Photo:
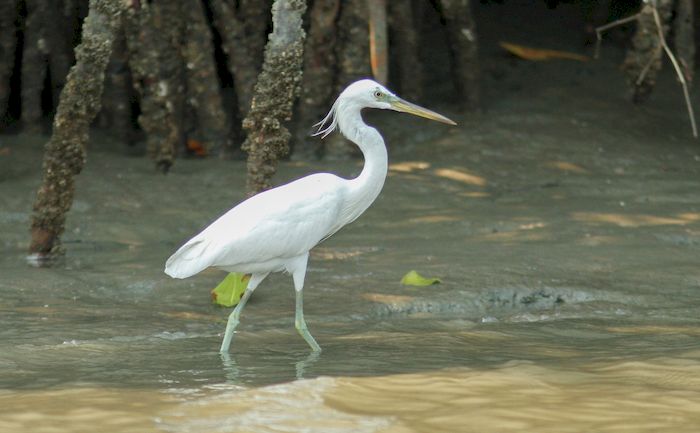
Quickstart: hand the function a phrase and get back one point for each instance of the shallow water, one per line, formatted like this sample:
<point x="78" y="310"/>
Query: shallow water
<point x="564" y="224"/>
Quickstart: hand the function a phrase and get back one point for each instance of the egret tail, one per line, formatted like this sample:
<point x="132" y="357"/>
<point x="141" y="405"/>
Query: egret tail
<point x="188" y="260"/>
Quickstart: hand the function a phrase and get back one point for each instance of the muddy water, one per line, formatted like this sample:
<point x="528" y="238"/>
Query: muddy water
<point x="569" y="298"/>
<point x="564" y="224"/>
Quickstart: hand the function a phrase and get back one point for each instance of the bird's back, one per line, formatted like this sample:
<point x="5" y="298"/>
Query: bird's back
<point x="262" y="232"/>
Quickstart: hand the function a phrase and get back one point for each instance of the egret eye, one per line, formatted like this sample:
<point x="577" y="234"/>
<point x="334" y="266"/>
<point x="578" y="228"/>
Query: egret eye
<point x="378" y="94"/>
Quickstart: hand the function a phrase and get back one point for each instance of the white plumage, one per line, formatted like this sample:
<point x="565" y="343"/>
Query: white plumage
<point x="274" y="230"/>
<point x="261" y="232"/>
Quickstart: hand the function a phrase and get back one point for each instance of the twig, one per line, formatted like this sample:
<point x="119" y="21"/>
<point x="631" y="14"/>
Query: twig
<point x="645" y="69"/>
<point x="651" y="4"/>
<point x="599" y="30"/>
<point x="681" y="78"/>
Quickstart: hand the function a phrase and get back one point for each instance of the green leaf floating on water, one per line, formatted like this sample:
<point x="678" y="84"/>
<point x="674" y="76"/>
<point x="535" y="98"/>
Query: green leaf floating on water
<point x="230" y="290"/>
<point x="413" y="278"/>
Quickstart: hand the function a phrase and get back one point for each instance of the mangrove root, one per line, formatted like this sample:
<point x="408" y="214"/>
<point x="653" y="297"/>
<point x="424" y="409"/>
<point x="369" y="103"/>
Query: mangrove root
<point x="275" y="91"/>
<point x="65" y="154"/>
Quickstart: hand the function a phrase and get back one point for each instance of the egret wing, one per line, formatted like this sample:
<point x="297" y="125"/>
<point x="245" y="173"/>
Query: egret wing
<point x="280" y="223"/>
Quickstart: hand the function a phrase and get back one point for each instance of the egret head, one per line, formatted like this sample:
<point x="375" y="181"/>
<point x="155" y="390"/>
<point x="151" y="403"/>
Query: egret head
<point x="370" y="94"/>
<point x="367" y="94"/>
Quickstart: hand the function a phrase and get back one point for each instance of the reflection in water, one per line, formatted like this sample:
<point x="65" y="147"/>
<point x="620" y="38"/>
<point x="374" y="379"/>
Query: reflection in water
<point x="231" y="372"/>
<point x="303" y="365"/>
<point x="233" y="375"/>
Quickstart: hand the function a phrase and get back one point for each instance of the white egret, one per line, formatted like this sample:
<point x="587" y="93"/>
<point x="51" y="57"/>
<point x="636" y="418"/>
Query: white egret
<point x="274" y="230"/>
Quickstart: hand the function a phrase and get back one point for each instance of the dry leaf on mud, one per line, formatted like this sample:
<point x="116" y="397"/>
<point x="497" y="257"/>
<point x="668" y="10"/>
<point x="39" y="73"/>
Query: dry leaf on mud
<point x="537" y="54"/>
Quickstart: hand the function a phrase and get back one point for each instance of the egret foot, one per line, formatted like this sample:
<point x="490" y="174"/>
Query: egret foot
<point x="306" y="335"/>
<point x="300" y="323"/>
<point x="233" y="321"/>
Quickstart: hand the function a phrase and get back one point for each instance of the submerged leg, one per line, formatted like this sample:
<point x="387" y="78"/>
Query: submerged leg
<point x="233" y="321"/>
<point x="299" y="322"/>
<point x="235" y="314"/>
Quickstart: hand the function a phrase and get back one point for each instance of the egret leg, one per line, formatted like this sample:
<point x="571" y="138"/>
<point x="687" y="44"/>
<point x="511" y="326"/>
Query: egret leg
<point x="233" y="318"/>
<point x="298" y="275"/>
<point x="300" y="323"/>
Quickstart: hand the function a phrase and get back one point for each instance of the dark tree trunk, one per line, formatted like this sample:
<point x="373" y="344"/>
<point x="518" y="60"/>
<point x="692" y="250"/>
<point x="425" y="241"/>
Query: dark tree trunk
<point x="79" y="104"/>
<point x="8" y="42"/>
<point x="378" y="40"/>
<point x="461" y="32"/>
<point x="203" y="88"/>
<point x="75" y="11"/>
<point x="153" y="37"/>
<point x="317" y="83"/>
<point x="235" y="45"/>
<point x="643" y="60"/>
<point x="352" y="47"/>
<point x="352" y="52"/>
<point x="58" y="34"/>
<point x="684" y="31"/>
<point x="275" y="91"/>
<point x="255" y="15"/>
<point x="116" y="102"/>
<point x="594" y="14"/>
<point x="405" y="42"/>
<point x="34" y="64"/>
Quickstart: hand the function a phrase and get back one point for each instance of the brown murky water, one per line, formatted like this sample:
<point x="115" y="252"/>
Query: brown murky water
<point x="563" y="222"/>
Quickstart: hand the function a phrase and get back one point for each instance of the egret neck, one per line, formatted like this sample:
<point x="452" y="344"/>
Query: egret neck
<point x="365" y="188"/>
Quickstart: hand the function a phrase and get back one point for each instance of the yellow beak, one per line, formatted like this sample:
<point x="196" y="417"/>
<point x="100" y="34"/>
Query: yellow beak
<point x="399" y="104"/>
